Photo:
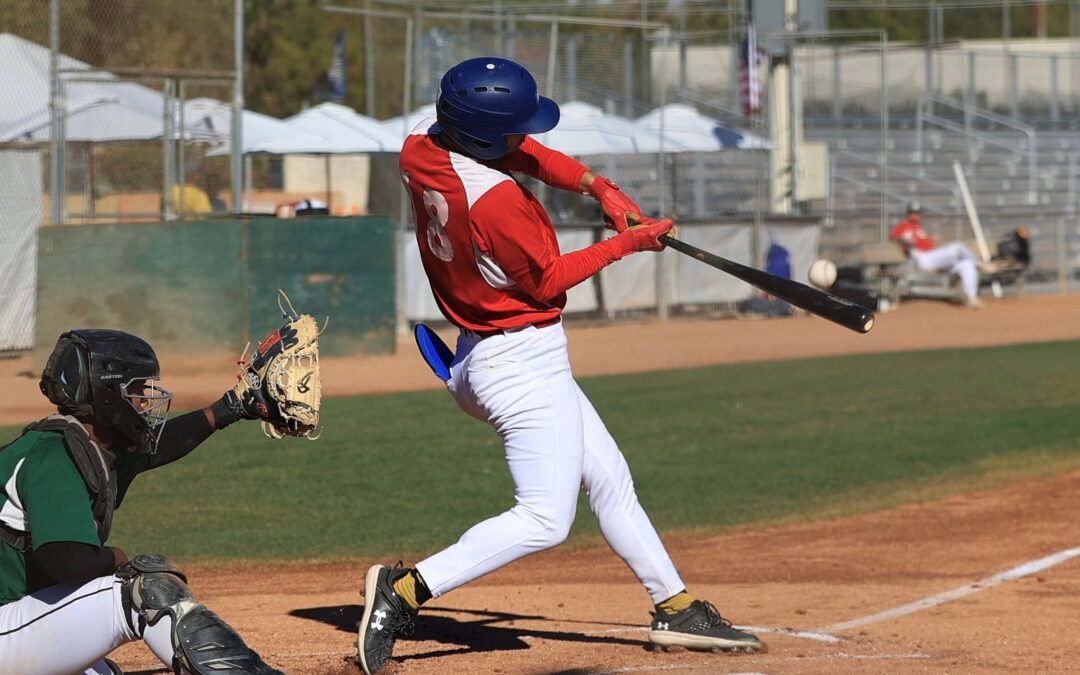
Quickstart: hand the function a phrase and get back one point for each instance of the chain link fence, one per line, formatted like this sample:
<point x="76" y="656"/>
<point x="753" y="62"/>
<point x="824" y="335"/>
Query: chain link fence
<point x="91" y="128"/>
<point x="123" y="68"/>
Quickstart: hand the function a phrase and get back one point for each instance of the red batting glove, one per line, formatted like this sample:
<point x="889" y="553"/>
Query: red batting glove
<point x="645" y="236"/>
<point x="614" y="202"/>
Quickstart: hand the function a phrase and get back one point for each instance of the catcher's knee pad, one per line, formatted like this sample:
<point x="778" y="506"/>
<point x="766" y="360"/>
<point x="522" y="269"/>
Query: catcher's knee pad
<point x="203" y="643"/>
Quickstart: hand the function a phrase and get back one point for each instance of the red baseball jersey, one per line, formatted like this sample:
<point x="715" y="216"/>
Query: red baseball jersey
<point x="487" y="244"/>
<point x="912" y="234"/>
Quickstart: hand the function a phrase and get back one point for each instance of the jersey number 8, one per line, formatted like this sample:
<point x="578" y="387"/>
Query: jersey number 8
<point x="438" y="212"/>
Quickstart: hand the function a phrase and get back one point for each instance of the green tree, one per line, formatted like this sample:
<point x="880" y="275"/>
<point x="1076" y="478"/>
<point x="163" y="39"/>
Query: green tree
<point x="281" y="38"/>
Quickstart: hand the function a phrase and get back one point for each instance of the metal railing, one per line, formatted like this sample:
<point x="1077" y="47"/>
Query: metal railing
<point x="893" y="170"/>
<point x="925" y="115"/>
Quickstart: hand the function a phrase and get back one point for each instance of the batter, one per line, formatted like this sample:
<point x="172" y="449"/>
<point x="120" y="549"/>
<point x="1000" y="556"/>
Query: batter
<point x="491" y="256"/>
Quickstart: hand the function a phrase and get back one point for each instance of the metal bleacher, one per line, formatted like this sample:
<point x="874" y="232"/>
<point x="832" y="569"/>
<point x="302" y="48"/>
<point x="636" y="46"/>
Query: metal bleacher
<point x="1011" y="187"/>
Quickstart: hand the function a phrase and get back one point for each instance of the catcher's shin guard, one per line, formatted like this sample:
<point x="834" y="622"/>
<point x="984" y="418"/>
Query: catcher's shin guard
<point x="203" y="643"/>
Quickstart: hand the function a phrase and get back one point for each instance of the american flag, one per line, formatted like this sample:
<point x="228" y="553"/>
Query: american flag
<point x="750" y="59"/>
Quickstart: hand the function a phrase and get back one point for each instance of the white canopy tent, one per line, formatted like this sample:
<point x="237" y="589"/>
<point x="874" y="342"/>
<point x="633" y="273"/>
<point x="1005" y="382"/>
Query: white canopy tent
<point x="696" y="132"/>
<point x="403" y="125"/>
<point x="583" y="129"/>
<point x="346" y="129"/>
<point x="262" y="134"/>
<point x="99" y="107"/>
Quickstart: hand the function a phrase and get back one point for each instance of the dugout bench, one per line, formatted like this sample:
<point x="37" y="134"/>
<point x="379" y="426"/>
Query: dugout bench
<point x="887" y="268"/>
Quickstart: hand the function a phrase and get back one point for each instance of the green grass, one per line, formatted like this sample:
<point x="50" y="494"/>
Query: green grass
<point x="711" y="449"/>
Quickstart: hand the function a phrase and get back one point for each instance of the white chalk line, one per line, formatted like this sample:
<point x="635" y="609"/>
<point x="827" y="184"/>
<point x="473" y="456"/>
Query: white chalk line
<point x="809" y="635"/>
<point x="1018" y="572"/>
<point x="655" y="669"/>
<point x="697" y="666"/>
<point x="790" y="632"/>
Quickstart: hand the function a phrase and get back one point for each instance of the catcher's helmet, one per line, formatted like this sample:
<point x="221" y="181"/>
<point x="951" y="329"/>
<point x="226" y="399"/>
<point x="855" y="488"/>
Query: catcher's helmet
<point x="99" y="374"/>
<point x="483" y="100"/>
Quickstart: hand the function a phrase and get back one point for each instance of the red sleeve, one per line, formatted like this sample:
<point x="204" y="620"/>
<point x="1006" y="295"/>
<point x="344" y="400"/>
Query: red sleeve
<point x="525" y="247"/>
<point x="541" y="162"/>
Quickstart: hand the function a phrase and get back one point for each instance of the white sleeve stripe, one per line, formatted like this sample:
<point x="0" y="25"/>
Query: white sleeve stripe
<point x="13" y="514"/>
<point x="494" y="275"/>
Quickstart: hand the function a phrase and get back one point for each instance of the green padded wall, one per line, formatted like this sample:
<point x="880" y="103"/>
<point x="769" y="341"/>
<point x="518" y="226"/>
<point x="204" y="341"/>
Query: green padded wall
<point x="209" y="286"/>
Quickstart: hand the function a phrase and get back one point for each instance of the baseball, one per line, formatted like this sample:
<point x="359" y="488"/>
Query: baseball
<point x="823" y="273"/>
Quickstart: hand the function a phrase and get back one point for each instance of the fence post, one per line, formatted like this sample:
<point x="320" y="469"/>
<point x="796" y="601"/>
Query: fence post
<point x="571" y="67"/>
<point x="56" y="112"/>
<point x="168" y="204"/>
<point x="837" y="108"/>
<point x="1055" y="101"/>
<point x="662" y="307"/>
<point x="1062" y="258"/>
<point x="883" y="41"/>
<point x="1014" y="84"/>
<point x="928" y="74"/>
<point x="236" y="133"/>
<point x="972" y="91"/>
<point x="919" y="131"/>
<point x="628" y="75"/>
<point x="511" y="37"/>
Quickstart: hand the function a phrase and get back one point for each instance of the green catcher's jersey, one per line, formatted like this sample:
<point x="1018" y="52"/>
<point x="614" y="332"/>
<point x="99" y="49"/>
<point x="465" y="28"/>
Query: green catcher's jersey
<point x="40" y="491"/>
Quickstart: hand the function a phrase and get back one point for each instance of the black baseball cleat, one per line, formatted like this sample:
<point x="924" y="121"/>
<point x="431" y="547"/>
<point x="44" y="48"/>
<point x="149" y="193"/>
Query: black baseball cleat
<point x="386" y="615"/>
<point x="700" y="627"/>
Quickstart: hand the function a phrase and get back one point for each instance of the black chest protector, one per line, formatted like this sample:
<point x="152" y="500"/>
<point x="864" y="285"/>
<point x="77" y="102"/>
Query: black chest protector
<point x="95" y="465"/>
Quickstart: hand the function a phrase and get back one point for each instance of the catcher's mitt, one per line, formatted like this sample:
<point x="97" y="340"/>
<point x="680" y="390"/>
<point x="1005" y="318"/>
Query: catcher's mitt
<point x="281" y="385"/>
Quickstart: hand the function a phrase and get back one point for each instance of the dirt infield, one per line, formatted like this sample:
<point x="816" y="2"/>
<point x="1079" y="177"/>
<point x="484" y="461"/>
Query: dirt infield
<point x="979" y="583"/>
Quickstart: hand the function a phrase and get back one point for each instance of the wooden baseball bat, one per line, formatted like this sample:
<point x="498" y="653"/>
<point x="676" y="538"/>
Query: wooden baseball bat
<point x="826" y="305"/>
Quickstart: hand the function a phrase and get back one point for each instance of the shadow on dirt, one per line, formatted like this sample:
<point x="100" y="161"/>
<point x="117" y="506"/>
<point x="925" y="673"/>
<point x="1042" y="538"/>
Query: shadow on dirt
<point x="480" y="635"/>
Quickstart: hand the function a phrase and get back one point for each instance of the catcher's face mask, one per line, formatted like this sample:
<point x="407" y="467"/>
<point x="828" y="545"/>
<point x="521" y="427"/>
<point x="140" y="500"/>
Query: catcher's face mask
<point x="151" y="402"/>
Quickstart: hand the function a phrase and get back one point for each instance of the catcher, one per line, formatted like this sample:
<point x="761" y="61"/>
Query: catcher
<point x="66" y="598"/>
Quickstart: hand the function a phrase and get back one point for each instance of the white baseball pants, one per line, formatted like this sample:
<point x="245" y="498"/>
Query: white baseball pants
<point x="555" y="444"/>
<point x="954" y="258"/>
<point x="62" y="630"/>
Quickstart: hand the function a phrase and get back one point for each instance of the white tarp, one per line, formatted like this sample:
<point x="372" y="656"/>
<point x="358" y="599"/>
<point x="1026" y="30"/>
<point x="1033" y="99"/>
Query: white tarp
<point x="801" y="244"/>
<point x="698" y="283"/>
<point x="21" y="203"/>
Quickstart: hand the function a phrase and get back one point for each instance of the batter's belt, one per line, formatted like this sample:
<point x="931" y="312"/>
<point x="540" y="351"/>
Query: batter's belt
<point x="483" y="335"/>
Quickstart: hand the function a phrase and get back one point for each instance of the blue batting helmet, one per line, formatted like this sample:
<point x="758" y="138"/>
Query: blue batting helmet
<point x="483" y="100"/>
